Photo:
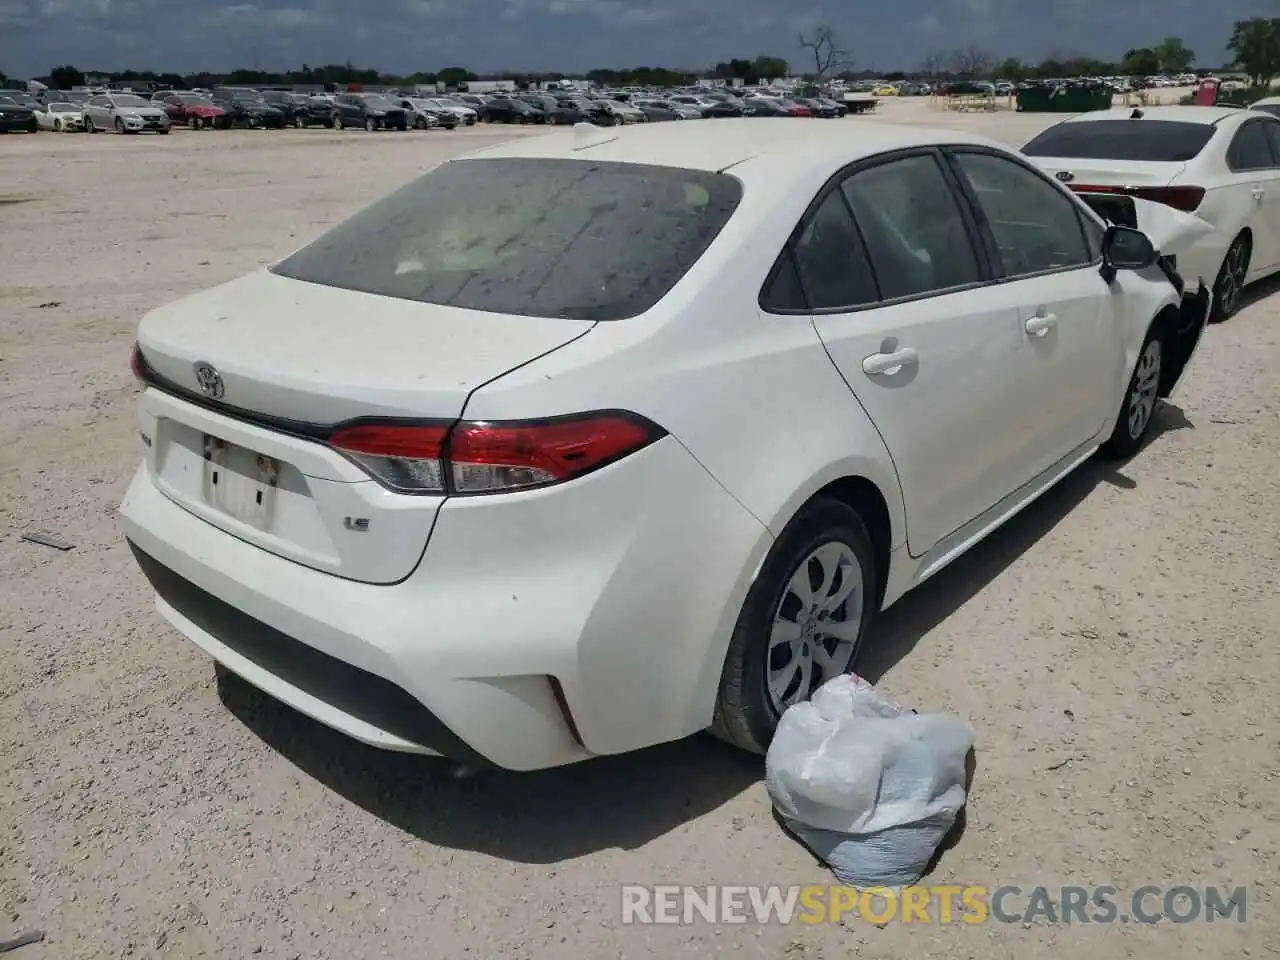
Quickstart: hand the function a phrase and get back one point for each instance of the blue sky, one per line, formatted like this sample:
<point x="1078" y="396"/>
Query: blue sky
<point x="403" y="36"/>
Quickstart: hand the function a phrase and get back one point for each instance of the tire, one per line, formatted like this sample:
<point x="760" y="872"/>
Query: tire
<point x="57" y="126"/>
<point x="419" y="123"/>
<point x="337" y="123"/>
<point x="194" y="123"/>
<point x="1141" y="399"/>
<point x="1230" y="280"/>
<point x="88" y="125"/>
<point x="163" y="131"/>
<point x="827" y="535"/>
<point x="119" y="125"/>
<point x="370" y="124"/>
<point x="300" y="123"/>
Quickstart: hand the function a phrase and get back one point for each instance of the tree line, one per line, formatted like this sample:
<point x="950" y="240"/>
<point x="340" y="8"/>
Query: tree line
<point x="1256" y="44"/>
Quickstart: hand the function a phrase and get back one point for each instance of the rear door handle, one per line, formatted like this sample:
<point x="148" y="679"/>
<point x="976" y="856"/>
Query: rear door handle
<point x="890" y="363"/>
<point x="1040" y="325"/>
<point x="1258" y="193"/>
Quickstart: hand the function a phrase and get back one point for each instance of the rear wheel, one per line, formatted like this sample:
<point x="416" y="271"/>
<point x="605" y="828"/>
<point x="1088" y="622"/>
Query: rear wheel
<point x="419" y="123"/>
<point x="337" y="122"/>
<point x="1137" y="410"/>
<point x="1230" y="283"/>
<point x="803" y="622"/>
<point x="300" y="123"/>
<point x="370" y="124"/>
<point x="195" y="123"/>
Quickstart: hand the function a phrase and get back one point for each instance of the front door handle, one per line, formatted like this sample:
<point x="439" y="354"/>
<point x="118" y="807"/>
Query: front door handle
<point x="1258" y="193"/>
<point x="890" y="363"/>
<point x="1041" y="324"/>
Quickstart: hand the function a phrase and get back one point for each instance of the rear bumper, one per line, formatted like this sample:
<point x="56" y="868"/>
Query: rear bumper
<point x="540" y="628"/>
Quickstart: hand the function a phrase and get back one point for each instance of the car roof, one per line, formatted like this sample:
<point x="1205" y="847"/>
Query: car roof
<point x="1266" y="102"/>
<point x="1205" y="115"/>
<point x="725" y="143"/>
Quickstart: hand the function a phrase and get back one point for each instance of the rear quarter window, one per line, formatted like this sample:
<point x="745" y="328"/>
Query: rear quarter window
<point x="575" y="239"/>
<point x="1161" y="141"/>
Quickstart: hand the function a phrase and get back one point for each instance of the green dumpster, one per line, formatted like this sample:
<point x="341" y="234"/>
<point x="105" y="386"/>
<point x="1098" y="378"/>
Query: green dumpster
<point x="1064" y="99"/>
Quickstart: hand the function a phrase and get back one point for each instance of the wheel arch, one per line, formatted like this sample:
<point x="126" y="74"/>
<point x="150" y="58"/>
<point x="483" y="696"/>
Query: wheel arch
<point x="885" y="525"/>
<point x="865" y="497"/>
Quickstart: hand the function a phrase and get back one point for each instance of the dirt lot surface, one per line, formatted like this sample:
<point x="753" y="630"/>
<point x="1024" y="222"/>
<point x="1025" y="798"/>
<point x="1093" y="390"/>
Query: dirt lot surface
<point x="1113" y="647"/>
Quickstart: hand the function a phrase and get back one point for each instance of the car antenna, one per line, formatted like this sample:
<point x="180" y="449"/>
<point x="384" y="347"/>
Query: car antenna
<point x="1137" y="114"/>
<point x="587" y="135"/>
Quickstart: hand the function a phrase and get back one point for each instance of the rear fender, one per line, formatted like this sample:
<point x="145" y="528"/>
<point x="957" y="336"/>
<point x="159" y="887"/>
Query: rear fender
<point x="1169" y="230"/>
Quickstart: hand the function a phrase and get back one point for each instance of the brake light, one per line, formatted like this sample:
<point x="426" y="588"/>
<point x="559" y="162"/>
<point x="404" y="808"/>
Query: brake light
<point x="476" y="457"/>
<point x="1186" y="199"/>
<point x="137" y="364"/>
<point x="405" y="457"/>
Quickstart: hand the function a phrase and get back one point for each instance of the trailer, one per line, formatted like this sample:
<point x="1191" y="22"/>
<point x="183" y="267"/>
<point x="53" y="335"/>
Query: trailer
<point x="859" y="102"/>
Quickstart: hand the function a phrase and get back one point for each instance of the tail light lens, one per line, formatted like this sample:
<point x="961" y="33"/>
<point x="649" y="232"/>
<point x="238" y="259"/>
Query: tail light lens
<point x="471" y="457"/>
<point x="1186" y="199"/>
<point x="405" y="457"/>
<point x="137" y="364"/>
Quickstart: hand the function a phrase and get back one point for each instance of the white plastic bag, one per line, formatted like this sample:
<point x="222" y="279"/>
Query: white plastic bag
<point x="870" y="787"/>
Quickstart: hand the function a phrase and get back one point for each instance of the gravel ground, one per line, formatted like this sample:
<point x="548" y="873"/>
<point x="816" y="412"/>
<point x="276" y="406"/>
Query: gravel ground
<point x="1112" y="647"/>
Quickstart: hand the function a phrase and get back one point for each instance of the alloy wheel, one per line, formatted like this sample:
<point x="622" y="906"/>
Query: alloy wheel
<point x="816" y="625"/>
<point x="1234" y="271"/>
<point x="1146" y="383"/>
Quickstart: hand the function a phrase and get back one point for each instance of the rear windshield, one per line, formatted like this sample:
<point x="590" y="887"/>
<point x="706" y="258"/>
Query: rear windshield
<point x="1153" y="140"/>
<point x="576" y="239"/>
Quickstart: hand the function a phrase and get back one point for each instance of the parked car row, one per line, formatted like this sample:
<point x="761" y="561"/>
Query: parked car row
<point x="622" y="108"/>
<point x="224" y="108"/>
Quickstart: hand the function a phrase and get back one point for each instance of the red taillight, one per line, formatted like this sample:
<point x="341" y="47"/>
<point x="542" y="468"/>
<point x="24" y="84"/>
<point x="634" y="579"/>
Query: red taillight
<point x="481" y="457"/>
<point x="1186" y="199"/>
<point x="405" y="457"/>
<point x="137" y="364"/>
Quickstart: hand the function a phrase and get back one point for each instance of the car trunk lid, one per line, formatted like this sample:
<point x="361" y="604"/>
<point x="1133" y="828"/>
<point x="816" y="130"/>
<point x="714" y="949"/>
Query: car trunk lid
<point x="248" y="379"/>
<point x="1077" y="172"/>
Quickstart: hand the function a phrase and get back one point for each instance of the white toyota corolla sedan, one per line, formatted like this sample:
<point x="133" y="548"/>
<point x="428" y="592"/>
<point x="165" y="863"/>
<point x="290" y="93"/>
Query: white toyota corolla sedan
<point x="593" y="440"/>
<point x="1220" y="163"/>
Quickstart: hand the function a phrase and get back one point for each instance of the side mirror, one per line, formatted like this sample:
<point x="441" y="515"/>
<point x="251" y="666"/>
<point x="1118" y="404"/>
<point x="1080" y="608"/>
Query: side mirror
<point x="1124" y="248"/>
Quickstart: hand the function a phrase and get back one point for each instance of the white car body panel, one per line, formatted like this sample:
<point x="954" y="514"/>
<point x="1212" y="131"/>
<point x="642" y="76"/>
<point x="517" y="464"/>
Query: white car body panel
<point x="617" y="591"/>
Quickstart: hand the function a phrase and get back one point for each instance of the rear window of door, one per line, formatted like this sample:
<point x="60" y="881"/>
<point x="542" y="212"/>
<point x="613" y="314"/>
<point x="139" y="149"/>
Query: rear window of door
<point x="1156" y="141"/>
<point x="1250" y="148"/>
<point x="913" y="226"/>
<point x="538" y="237"/>
<point x="825" y="267"/>
<point x="1272" y="128"/>
<point x="1035" y="227"/>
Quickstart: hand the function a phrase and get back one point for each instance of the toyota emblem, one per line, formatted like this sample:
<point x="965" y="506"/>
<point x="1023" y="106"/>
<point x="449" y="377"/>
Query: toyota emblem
<point x="1066" y="176"/>
<point x="209" y="380"/>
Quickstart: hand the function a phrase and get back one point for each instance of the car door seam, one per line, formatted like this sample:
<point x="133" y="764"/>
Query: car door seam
<point x="897" y="474"/>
